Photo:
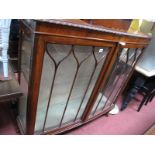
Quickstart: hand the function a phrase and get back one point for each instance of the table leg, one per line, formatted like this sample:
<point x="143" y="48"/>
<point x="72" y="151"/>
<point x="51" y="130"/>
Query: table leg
<point x="139" y="82"/>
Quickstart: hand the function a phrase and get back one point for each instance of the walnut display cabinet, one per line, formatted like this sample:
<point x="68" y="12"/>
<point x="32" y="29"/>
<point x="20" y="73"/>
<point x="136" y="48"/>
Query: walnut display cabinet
<point x="71" y="72"/>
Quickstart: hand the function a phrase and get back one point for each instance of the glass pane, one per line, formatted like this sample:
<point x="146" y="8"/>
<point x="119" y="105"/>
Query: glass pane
<point x="22" y="106"/>
<point x="118" y="76"/>
<point x="58" y="52"/>
<point x="25" y="56"/>
<point x="62" y="86"/>
<point x="84" y="56"/>
<point x="45" y="88"/>
<point x="139" y="51"/>
<point x="76" y="69"/>
<point x="100" y="55"/>
<point x="26" y="50"/>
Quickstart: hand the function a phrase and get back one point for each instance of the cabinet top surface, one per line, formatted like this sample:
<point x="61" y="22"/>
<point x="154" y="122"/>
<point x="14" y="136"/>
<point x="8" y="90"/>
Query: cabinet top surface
<point x="84" y="25"/>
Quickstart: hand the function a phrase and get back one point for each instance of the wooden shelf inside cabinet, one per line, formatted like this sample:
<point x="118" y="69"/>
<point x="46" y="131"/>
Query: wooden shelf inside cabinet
<point x="9" y="89"/>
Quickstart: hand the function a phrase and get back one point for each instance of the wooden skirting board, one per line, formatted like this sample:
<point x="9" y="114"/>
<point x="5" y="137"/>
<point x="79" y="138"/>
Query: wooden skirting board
<point x="150" y="131"/>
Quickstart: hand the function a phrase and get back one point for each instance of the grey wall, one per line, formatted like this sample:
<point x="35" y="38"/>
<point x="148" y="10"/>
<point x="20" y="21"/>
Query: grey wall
<point x="147" y="61"/>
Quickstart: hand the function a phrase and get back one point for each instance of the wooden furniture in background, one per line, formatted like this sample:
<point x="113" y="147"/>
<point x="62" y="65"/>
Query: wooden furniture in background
<point x="14" y="39"/>
<point x="148" y="95"/>
<point x="141" y="81"/>
<point x="143" y="77"/>
<point x="9" y="90"/>
<point x="71" y="72"/>
<point x="13" y="45"/>
<point x="138" y="84"/>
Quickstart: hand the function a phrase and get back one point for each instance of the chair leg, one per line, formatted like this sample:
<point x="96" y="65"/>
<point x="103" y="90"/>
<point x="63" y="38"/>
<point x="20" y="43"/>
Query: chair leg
<point x="148" y="100"/>
<point x="142" y="103"/>
<point x="152" y="96"/>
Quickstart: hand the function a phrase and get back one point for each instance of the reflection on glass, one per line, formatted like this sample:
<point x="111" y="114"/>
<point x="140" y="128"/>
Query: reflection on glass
<point x="68" y="77"/>
<point x="118" y="76"/>
<point x="24" y="79"/>
<point x="25" y="56"/>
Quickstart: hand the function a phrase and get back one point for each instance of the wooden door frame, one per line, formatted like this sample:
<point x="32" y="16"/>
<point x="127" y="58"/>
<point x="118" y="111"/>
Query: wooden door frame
<point x="100" y="83"/>
<point x="36" y="72"/>
<point x="34" y="83"/>
<point x="117" y="49"/>
<point x="37" y="64"/>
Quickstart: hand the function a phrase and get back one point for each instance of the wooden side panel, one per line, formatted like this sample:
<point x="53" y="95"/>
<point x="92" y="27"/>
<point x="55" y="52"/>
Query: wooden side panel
<point x="38" y="55"/>
<point x="25" y="55"/>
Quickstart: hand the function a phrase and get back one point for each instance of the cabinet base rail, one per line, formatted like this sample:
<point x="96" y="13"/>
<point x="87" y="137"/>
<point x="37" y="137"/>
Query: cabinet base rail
<point x="66" y="128"/>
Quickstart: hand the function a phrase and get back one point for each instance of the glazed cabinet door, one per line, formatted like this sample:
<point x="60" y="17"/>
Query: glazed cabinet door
<point x="119" y="74"/>
<point x="26" y="48"/>
<point x="69" y="75"/>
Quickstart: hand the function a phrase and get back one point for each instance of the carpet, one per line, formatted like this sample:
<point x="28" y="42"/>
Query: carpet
<point x="127" y="122"/>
